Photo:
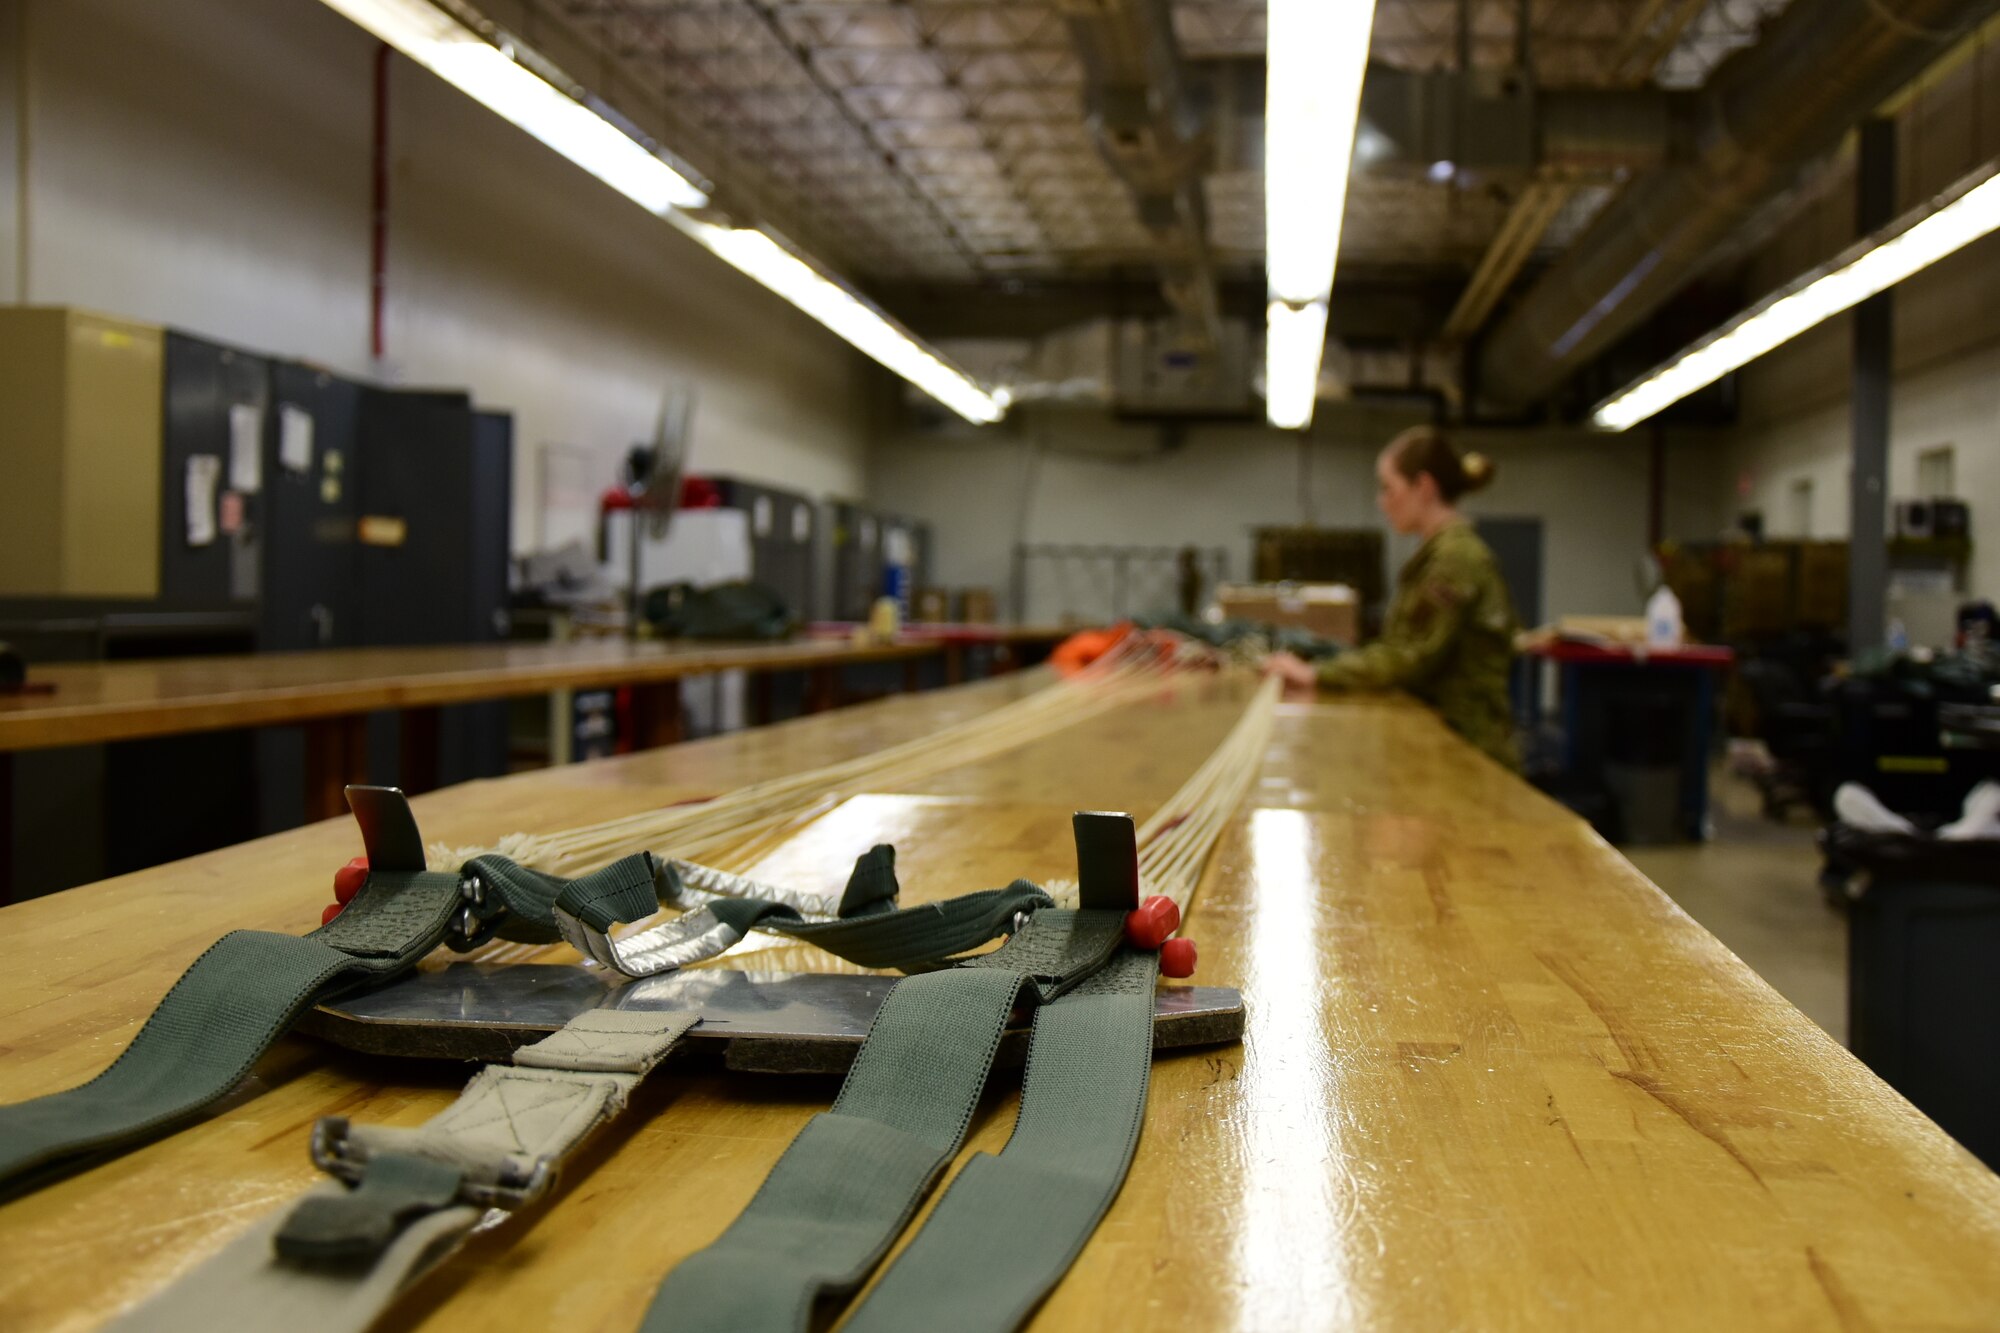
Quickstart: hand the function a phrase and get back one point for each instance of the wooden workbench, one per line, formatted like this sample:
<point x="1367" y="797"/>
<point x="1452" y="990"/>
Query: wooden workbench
<point x="1492" y="1079"/>
<point x="1004" y="644"/>
<point x="333" y="690"/>
<point x="115" y="701"/>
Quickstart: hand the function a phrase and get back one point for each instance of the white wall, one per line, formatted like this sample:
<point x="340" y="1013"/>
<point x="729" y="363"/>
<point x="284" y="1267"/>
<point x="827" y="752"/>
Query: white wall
<point x="206" y="164"/>
<point x="1795" y="423"/>
<point x="1029" y="482"/>
<point x="1946" y="391"/>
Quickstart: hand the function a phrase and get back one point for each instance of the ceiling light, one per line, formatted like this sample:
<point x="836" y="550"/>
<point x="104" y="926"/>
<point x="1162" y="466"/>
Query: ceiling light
<point x="1967" y="211"/>
<point x="764" y="258"/>
<point x="492" y="77"/>
<point x="1316" y="56"/>
<point x="1294" y="338"/>
<point x="516" y="94"/>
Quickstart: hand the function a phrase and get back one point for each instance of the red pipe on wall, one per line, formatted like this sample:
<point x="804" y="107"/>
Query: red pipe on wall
<point x="378" y="219"/>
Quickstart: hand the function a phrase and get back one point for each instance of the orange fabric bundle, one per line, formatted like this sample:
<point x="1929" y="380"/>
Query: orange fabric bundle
<point x="1079" y="650"/>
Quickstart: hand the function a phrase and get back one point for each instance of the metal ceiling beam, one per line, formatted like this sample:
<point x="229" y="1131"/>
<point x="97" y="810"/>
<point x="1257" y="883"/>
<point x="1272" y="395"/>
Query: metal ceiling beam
<point x="1768" y="111"/>
<point x="1374" y="307"/>
<point x="1533" y="211"/>
<point x="1149" y="130"/>
<point x="1540" y="204"/>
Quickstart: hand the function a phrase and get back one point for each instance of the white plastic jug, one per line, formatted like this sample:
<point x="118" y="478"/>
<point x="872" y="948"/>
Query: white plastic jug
<point x="1663" y="619"/>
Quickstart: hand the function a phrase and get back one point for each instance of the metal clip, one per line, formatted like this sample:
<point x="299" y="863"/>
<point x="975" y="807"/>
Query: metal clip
<point x="511" y="1186"/>
<point x="472" y="926"/>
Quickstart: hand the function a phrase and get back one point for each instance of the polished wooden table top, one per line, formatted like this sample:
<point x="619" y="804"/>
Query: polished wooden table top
<point x="107" y="701"/>
<point x="961" y="633"/>
<point x="1493" y="1078"/>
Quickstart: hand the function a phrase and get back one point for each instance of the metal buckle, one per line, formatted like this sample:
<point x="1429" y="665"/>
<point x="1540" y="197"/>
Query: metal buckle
<point x="509" y="1189"/>
<point x="471" y="926"/>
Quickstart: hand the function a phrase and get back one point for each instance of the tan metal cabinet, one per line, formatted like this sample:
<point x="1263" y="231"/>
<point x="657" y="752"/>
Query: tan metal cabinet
<point x="80" y="471"/>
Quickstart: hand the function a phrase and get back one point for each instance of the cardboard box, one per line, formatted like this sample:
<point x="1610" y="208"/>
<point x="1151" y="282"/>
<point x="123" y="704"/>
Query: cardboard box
<point x="931" y="605"/>
<point x="977" y="606"/>
<point x="1330" y="610"/>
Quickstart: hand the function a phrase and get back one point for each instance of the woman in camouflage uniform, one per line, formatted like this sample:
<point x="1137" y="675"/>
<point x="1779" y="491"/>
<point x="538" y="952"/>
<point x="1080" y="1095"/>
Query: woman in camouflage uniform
<point x="1449" y="639"/>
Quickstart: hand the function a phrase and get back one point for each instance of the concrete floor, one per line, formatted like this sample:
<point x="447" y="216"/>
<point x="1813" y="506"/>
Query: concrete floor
<point x="1755" y="887"/>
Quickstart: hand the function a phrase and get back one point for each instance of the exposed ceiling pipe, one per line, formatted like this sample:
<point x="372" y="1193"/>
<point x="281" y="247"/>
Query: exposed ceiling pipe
<point x="1531" y="215"/>
<point x="1484" y="124"/>
<point x="1652" y="39"/>
<point x="1149" y="129"/>
<point x="1767" y="111"/>
<point x="1536" y="207"/>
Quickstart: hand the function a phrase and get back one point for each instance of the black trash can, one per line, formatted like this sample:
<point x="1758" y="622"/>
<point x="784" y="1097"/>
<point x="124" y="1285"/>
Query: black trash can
<point x="1642" y="766"/>
<point x="1923" y="973"/>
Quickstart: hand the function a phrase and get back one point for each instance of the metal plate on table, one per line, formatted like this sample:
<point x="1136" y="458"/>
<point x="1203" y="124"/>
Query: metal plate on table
<point x="763" y="1022"/>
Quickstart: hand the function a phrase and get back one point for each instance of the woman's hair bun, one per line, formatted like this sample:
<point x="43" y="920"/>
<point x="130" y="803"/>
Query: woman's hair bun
<point x="1426" y="450"/>
<point x="1478" y="470"/>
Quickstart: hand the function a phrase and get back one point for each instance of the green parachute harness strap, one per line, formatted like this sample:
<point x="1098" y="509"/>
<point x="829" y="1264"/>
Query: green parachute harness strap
<point x="850" y="1182"/>
<point x="250" y="986"/>
<point x="907" y="937"/>
<point x="870" y="930"/>
<point x="220" y="1017"/>
<point x="339" y="1257"/>
<point x="1010" y="1225"/>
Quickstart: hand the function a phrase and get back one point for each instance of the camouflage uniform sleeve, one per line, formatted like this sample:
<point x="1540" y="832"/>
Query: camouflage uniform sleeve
<point x="1415" y="642"/>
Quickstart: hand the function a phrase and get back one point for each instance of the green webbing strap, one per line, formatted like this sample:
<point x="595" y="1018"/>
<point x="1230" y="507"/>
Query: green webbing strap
<point x="1059" y="949"/>
<point x="897" y="939"/>
<point x="871" y="886"/>
<point x="218" y="1020"/>
<point x="525" y="894"/>
<point x="851" y="1179"/>
<point x="1009" y="1226"/>
<point x="622" y="891"/>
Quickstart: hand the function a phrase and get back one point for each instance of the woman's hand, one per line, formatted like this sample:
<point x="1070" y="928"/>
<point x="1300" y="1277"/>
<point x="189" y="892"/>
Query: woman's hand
<point x="1290" y="668"/>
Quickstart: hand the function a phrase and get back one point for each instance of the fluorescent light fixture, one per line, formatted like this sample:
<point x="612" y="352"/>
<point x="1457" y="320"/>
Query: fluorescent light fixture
<point x="516" y="94"/>
<point x="510" y="89"/>
<point x="1316" y="56"/>
<point x="764" y="258"/>
<point x="1967" y="211"/>
<point x="1294" y="337"/>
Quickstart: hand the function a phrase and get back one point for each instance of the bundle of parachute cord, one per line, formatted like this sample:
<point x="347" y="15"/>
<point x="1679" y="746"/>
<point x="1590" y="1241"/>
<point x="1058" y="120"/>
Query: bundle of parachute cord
<point x="711" y="843"/>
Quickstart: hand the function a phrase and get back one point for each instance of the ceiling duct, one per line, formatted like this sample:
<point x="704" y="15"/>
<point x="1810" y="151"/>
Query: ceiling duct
<point x="1765" y="113"/>
<point x="1151" y="131"/>
<point x="1132" y="368"/>
<point x="1140" y="369"/>
<point x="1493" y="123"/>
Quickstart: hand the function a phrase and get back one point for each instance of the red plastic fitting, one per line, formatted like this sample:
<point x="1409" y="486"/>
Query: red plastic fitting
<point x="347" y="880"/>
<point x="1153" y="922"/>
<point x="1177" y="958"/>
<point x="332" y="911"/>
